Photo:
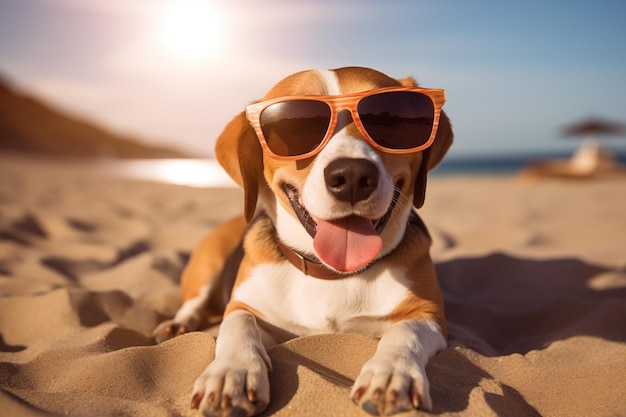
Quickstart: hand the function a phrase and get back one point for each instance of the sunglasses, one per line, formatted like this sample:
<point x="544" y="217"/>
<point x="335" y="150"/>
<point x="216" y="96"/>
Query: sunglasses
<point x="395" y="120"/>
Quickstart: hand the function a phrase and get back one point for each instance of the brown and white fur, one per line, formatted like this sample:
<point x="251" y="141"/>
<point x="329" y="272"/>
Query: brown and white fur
<point x="238" y="271"/>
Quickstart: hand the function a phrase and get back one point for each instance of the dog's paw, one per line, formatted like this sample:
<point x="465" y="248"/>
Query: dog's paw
<point x="236" y="387"/>
<point x="169" y="329"/>
<point x="386" y="388"/>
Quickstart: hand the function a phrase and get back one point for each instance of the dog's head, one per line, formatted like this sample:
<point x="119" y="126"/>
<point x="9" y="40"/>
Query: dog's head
<point x="348" y="201"/>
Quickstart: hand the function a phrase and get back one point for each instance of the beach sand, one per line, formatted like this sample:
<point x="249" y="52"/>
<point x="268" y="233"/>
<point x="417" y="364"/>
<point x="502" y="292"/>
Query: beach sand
<point x="533" y="275"/>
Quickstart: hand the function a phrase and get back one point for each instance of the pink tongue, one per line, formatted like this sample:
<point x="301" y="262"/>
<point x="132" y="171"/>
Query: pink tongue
<point x="347" y="244"/>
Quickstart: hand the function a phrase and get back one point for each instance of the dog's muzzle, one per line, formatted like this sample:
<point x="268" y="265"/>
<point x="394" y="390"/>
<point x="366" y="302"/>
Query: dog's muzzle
<point x="346" y="244"/>
<point x="310" y="224"/>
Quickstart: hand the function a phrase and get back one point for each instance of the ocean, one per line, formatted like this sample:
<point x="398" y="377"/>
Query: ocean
<point x="499" y="164"/>
<point x="208" y="172"/>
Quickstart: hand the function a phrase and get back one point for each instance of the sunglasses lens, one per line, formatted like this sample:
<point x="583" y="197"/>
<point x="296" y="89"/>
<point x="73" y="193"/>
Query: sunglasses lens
<point x="295" y="127"/>
<point x="398" y="119"/>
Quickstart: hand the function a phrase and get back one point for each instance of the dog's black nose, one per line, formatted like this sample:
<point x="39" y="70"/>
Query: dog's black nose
<point x="351" y="180"/>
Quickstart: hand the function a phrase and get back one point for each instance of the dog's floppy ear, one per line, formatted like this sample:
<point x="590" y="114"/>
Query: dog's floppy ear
<point x="240" y="154"/>
<point x="431" y="158"/>
<point x="433" y="155"/>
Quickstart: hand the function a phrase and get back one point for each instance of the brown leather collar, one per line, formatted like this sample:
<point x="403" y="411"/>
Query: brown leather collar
<point x="308" y="266"/>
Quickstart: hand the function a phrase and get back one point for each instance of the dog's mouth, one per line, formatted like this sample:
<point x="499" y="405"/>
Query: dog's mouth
<point x="346" y="244"/>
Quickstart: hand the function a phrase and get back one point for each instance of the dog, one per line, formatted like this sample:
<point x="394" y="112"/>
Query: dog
<point x="333" y="165"/>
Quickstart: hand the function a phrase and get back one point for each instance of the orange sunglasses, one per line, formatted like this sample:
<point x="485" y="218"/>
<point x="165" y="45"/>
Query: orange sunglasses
<point x="396" y="120"/>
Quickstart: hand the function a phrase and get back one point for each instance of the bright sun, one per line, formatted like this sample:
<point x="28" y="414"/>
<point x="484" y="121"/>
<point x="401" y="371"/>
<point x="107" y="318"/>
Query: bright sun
<point x="189" y="29"/>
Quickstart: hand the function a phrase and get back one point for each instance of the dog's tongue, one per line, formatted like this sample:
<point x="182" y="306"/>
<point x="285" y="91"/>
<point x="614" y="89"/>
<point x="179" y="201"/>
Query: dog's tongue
<point x="347" y="244"/>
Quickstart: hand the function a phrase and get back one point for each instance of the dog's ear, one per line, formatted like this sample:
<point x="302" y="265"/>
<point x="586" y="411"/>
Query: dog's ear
<point x="433" y="155"/>
<point x="240" y="154"/>
<point x="431" y="158"/>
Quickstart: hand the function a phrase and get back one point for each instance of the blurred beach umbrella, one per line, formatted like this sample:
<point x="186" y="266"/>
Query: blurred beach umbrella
<point x="594" y="127"/>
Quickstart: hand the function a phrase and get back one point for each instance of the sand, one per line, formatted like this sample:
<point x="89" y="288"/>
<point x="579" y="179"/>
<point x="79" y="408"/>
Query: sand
<point x="533" y="275"/>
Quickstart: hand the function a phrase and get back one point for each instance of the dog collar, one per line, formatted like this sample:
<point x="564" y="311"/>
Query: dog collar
<point x="308" y="266"/>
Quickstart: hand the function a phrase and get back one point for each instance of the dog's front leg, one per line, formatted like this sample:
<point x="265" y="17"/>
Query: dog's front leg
<point x="236" y="382"/>
<point x="394" y="380"/>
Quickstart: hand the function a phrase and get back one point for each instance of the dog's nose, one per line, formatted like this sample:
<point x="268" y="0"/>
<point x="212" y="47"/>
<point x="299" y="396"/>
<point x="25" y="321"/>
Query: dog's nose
<point x="351" y="180"/>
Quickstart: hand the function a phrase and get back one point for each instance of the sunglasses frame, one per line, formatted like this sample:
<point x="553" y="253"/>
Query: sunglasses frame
<point x="349" y="102"/>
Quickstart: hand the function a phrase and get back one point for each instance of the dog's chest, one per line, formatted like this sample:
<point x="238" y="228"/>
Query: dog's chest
<point x="303" y="305"/>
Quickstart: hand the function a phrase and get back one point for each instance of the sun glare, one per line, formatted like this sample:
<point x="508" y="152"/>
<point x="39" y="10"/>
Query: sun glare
<point x="190" y="29"/>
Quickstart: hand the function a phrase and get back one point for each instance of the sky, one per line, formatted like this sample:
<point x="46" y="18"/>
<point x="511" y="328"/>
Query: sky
<point x="175" y="72"/>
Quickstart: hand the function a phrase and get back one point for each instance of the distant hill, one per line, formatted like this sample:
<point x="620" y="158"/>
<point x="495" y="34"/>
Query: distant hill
<point x="29" y="125"/>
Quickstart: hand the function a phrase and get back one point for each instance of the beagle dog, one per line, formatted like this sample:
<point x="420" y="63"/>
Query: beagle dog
<point x="333" y="164"/>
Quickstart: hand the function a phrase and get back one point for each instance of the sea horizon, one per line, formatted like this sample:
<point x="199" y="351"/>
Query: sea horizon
<point x="206" y="172"/>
